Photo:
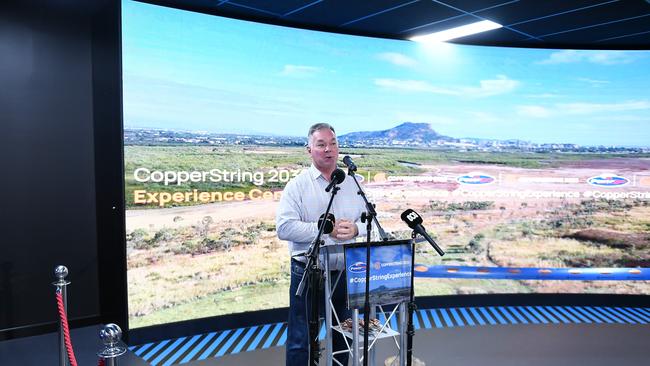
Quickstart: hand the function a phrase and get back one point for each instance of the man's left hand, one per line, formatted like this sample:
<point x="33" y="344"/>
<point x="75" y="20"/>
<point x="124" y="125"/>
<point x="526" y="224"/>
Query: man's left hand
<point x="344" y="230"/>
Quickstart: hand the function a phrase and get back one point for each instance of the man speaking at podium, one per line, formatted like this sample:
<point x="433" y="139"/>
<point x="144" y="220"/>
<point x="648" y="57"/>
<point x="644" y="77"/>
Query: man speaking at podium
<point x="303" y="201"/>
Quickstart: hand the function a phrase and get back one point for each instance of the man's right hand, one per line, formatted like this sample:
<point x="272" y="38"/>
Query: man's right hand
<point x="344" y="230"/>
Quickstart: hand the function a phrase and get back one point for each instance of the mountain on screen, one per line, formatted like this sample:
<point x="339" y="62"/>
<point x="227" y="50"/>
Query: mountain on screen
<point x="407" y="132"/>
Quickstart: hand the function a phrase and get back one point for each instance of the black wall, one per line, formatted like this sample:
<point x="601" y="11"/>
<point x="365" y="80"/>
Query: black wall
<point x="61" y="176"/>
<point x="48" y="106"/>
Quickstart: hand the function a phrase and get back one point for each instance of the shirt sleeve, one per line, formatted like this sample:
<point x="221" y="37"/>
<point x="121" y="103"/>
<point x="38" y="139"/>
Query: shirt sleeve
<point x="289" y="224"/>
<point x="362" y="229"/>
<point x="361" y="226"/>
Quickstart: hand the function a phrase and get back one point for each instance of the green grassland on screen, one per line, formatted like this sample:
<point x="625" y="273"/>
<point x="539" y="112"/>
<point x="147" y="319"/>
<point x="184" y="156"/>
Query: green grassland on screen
<point x="372" y="161"/>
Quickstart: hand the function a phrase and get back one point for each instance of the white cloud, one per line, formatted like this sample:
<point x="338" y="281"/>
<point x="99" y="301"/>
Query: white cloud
<point x="398" y="59"/>
<point x="596" y="109"/>
<point x="544" y="95"/>
<point x="621" y="118"/>
<point x="533" y="111"/>
<point x="501" y="85"/>
<point x="413" y="86"/>
<point x="562" y="57"/>
<point x="591" y="108"/>
<point x="611" y="58"/>
<point x="593" y="82"/>
<point x="300" y="70"/>
<point x="600" y="57"/>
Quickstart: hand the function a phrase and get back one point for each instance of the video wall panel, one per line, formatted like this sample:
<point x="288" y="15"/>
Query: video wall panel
<point x="530" y="167"/>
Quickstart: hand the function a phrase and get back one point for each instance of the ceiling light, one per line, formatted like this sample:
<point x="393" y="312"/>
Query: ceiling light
<point x="457" y="32"/>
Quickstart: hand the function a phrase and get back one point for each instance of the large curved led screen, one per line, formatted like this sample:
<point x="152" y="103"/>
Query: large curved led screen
<point x="530" y="167"/>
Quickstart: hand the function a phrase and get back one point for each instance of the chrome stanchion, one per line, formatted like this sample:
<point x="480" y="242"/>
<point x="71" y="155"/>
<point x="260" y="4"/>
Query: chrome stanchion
<point x="60" y="273"/>
<point x="402" y="333"/>
<point x="371" y="351"/>
<point x="111" y="335"/>
<point x="328" y="310"/>
<point x="355" y="337"/>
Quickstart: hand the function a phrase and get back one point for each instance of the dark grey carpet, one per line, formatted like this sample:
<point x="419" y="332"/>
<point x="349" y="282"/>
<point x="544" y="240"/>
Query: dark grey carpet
<point x="516" y="345"/>
<point x="497" y="345"/>
<point x="43" y="350"/>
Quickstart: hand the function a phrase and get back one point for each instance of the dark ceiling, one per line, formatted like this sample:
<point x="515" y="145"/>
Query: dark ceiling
<point x="579" y="24"/>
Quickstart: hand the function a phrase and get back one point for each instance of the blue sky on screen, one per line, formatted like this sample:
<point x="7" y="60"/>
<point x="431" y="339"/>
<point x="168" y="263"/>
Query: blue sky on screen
<point x="190" y="71"/>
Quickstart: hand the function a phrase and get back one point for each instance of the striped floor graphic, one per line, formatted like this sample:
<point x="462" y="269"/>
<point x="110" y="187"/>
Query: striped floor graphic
<point x="216" y="344"/>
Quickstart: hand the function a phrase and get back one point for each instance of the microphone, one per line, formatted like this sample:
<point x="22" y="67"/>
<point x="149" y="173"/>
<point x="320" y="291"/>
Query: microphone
<point x="328" y="222"/>
<point x="337" y="177"/>
<point x="347" y="160"/>
<point x="414" y="221"/>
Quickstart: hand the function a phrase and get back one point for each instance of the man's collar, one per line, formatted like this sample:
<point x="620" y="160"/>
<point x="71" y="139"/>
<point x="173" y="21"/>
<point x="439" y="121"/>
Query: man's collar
<point x="314" y="173"/>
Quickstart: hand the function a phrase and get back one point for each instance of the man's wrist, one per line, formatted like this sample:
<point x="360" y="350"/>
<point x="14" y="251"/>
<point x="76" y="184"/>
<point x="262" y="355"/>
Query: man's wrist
<point x="360" y="227"/>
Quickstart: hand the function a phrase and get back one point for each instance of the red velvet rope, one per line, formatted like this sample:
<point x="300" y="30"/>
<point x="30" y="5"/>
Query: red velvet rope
<point x="66" y="331"/>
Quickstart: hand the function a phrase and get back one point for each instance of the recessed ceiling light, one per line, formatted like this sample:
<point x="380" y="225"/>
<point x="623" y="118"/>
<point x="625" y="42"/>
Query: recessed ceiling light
<point x="457" y="32"/>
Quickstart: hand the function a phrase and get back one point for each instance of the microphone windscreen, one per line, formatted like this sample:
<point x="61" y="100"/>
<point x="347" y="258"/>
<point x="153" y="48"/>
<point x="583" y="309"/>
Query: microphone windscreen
<point x="411" y="218"/>
<point x="338" y="175"/>
<point x="347" y="160"/>
<point x="329" y="223"/>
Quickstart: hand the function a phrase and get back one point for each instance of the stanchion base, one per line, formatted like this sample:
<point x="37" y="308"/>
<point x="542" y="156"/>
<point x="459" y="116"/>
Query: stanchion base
<point x="385" y="333"/>
<point x="394" y="361"/>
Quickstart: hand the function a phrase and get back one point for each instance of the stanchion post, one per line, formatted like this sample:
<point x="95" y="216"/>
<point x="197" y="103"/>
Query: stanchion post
<point x="111" y="336"/>
<point x="403" y="314"/>
<point x="60" y="273"/>
<point x="355" y="337"/>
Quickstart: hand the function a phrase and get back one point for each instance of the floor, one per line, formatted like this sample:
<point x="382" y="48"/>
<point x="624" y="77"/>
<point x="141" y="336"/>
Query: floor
<point x="44" y="350"/>
<point x="493" y="331"/>
<point x="516" y="345"/>
<point x="502" y="335"/>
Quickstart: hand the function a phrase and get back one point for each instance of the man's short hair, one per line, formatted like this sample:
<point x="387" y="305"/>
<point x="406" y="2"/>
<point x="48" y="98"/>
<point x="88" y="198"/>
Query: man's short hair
<point x="315" y="127"/>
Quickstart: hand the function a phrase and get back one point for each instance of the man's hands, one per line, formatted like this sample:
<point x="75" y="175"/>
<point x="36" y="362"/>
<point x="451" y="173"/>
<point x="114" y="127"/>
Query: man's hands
<point x="344" y="230"/>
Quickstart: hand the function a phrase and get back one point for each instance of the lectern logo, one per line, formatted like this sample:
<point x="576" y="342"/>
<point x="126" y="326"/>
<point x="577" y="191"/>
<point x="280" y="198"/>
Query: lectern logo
<point x="357" y="267"/>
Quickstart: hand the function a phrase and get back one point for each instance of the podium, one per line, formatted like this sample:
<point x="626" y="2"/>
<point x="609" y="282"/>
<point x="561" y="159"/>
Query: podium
<point x="391" y="272"/>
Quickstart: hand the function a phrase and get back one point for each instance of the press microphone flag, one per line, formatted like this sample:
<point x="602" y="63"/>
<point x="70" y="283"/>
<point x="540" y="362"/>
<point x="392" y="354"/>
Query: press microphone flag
<point x="347" y="160"/>
<point x="328" y="222"/>
<point x="414" y="221"/>
<point x="338" y="176"/>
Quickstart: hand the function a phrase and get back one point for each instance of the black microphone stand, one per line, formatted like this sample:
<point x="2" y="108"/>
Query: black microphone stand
<point x="367" y="217"/>
<point x="315" y="275"/>
<point x="410" y="329"/>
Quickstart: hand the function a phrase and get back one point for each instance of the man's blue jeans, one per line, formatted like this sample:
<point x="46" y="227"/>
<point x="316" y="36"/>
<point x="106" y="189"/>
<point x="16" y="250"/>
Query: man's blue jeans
<point x="298" y="328"/>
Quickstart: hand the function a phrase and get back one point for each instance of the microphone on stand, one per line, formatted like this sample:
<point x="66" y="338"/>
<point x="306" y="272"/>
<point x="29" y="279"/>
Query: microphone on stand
<point x="347" y="160"/>
<point x="328" y="221"/>
<point x="414" y="221"/>
<point x="337" y="177"/>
